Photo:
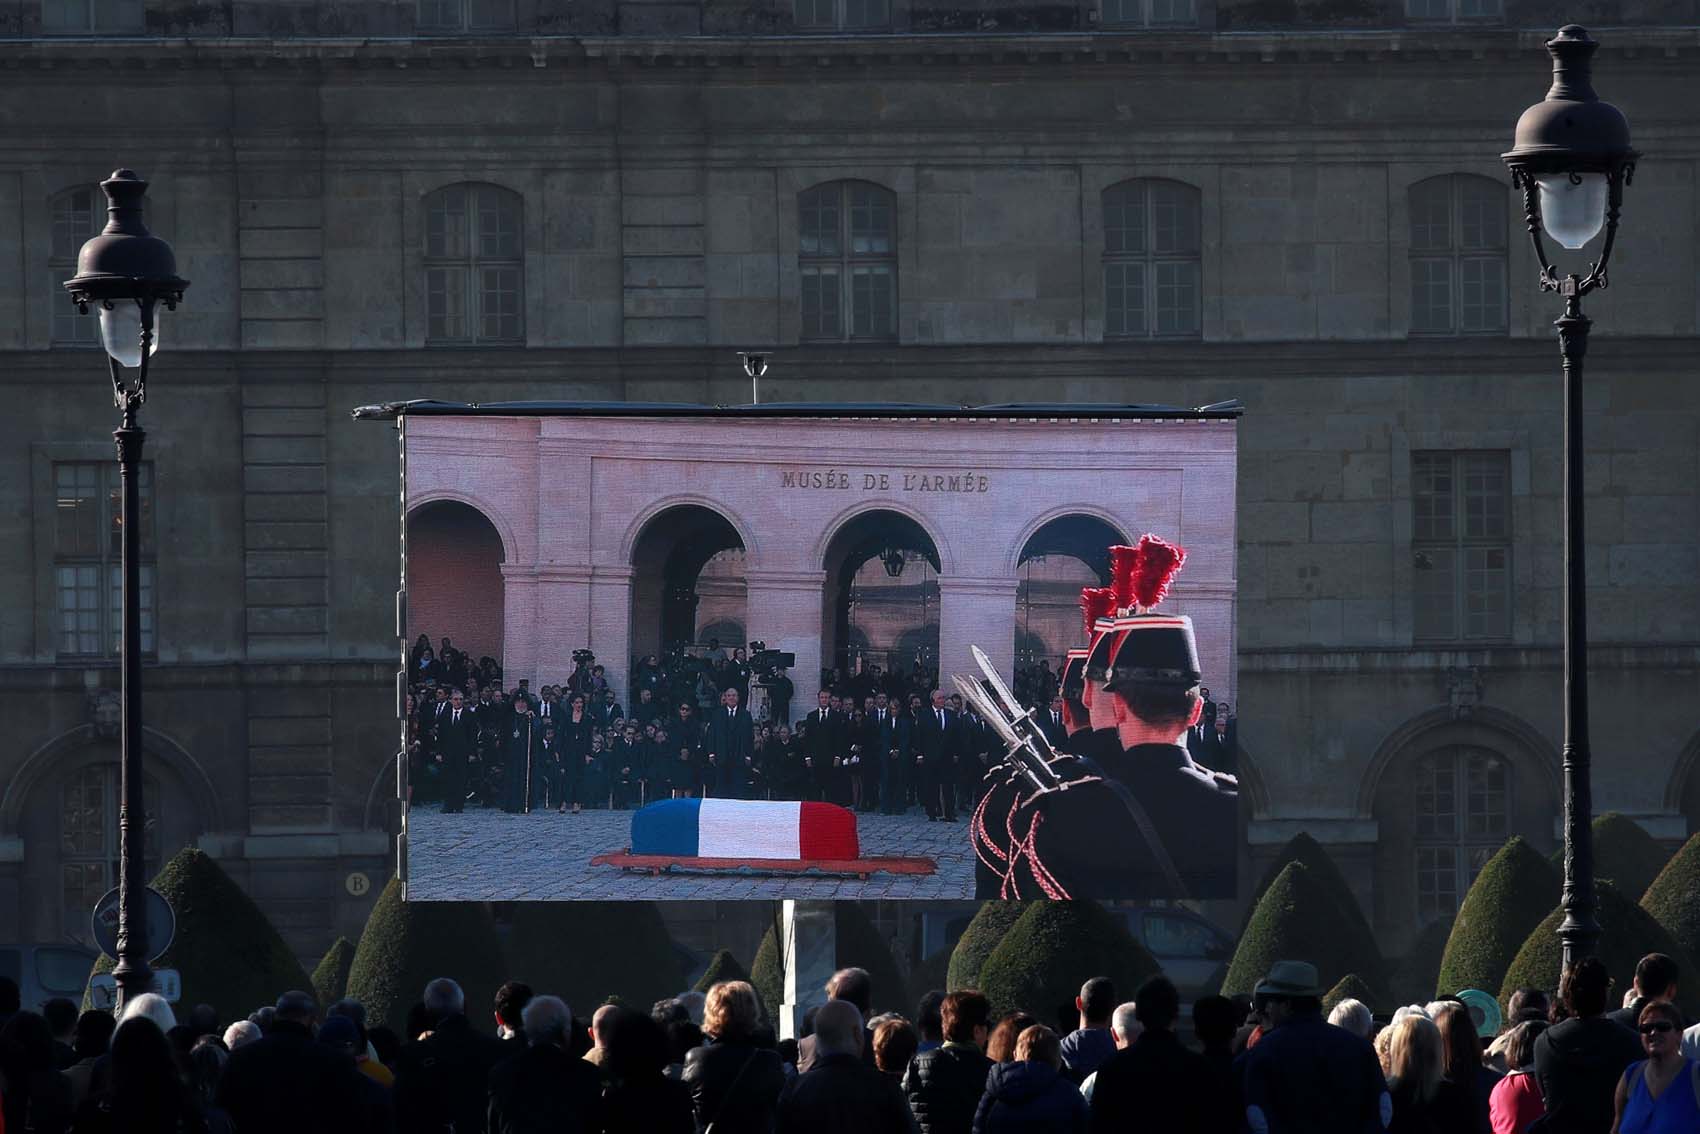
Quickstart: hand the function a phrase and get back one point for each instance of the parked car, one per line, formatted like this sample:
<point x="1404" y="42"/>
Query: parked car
<point x="43" y="972"/>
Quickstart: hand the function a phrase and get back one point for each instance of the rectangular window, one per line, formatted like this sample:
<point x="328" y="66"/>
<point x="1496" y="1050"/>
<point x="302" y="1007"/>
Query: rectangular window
<point x="465" y="15"/>
<point x="1148" y="13"/>
<point x="1431" y="295"/>
<point x="843" y="15"/>
<point x="88" y="573"/>
<point x="1461" y="545"/>
<point x="820" y="303"/>
<point x="1177" y="297"/>
<point x="870" y="301"/>
<point x="866" y="14"/>
<point x="112" y="17"/>
<point x="1481" y="293"/>
<point x="1124" y="298"/>
<point x="445" y="298"/>
<point x="499" y="304"/>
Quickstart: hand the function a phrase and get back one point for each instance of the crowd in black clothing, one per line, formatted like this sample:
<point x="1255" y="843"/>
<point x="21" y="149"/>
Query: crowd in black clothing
<point x="873" y="741"/>
<point x="696" y="1063"/>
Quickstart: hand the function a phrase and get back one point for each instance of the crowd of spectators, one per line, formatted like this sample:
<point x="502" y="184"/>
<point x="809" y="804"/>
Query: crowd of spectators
<point x="1273" y="1064"/>
<point x="874" y="739"/>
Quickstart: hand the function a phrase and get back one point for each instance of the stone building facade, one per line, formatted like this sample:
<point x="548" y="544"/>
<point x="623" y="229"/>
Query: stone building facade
<point x="1296" y="204"/>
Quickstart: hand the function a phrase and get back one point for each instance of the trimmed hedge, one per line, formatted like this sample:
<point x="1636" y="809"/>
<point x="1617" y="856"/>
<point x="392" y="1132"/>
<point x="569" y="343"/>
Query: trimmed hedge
<point x="1627" y="933"/>
<point x="225" y="949"/>
<point x="722" y="966"/>
<point x="1325" y="873"/>
<point x="1053" y="949"/>
<point x="767" y="974"/>
<point x="406" y="945"/>
<point x="1624" y="854"/>
<point x="589" y="952"/>
<point x="983" y="934"/>
<point x="1299" y="919"/>
<point x="330" y="978"/>
<point x="1674" y="899"/>
<point x="1512" y="894"/>
<point x="1349" y="987"/>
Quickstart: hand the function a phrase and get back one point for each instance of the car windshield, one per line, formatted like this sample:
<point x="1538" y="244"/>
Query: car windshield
<point x="62" y="971"/>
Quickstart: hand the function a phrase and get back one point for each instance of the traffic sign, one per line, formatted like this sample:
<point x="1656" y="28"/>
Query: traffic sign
<point x="162" y="924"/>
<point x="103" y="988"/>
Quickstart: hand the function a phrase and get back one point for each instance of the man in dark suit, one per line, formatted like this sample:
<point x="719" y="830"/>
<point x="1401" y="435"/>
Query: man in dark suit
<point x="822" y="745"/>
<point x="731" y="747"/>
<point x="442" y="1082"/>
<point x="938" y="751"/>
<point x="456" y="741"/>
<point x="1051" y="724"/>
<point x="882" y="750"/>
<point x="627" y="767"/>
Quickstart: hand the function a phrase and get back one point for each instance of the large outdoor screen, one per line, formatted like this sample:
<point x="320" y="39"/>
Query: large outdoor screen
<point x="818" y="652"/>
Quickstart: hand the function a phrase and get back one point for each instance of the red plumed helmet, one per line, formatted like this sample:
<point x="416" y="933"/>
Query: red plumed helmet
<point x="1157" y="561"/>
<point x="1124" y="565"/>
<point x="1096" y="603"/>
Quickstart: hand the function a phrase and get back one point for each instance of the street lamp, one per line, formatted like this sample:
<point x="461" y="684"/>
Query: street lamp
<point x="125" y="273"/>
<point x="1571" y="158"/>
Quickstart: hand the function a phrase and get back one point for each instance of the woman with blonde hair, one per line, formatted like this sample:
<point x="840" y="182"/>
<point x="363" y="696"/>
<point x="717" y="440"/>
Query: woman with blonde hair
<point x="734" y="1083"/>
<point x="1424" y="1100"/>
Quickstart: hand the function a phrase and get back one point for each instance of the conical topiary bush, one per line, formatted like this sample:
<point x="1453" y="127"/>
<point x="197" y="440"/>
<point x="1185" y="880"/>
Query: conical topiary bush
<point x="1627" y="933"/>
<point x="1674" y="898"/>
<point x="587" y="952"/>
<point x="722" y="966"/>
<point x="1325" y="873"/>
<point x="1053" y="949"/>
<point x="1513" y="893"/>
<point x="225" y="950"/>
<point x="406" y="945"/>
<point x="1626" y="855"/>
<point x="1349" y="987"/>
<point x="1298" y="919"/>
<point x="331" y="976"/>
<point x="985" y="931"/>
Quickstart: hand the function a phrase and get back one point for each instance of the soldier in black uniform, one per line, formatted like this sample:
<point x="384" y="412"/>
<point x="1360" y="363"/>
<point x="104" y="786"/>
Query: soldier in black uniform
<point x="1136" y="818"/>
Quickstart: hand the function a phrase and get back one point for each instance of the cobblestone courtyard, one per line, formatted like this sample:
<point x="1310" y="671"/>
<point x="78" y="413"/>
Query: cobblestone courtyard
<point x="489" y="855"/>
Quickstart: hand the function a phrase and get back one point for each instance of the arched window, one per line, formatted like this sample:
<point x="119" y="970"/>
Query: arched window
<point x="1462" y="802"/>
<point x="76" y="217"/>
<point x="847" y="261"/>
<point x="1458" y="245"/>
<point x="1152" y="260"/>
<point x="474" y="266"/>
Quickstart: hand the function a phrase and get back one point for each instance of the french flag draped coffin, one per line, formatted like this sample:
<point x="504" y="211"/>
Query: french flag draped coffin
<point x="745" y="829"/>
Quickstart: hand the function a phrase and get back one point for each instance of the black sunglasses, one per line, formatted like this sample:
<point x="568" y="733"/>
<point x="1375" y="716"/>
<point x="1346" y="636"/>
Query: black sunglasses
<point x="1656" y="1027"/>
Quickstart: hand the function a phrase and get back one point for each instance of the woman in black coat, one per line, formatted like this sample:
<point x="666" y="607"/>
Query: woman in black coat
<point x="734" y="1084"/>
<point x="573" y="735"/>
<point x="640" y="1099"/>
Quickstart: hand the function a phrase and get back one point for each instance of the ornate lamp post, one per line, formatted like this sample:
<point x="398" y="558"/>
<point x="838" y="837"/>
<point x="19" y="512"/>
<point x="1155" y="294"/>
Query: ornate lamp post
<point x="1572" y="159"/>
<point x="125" y="273"/>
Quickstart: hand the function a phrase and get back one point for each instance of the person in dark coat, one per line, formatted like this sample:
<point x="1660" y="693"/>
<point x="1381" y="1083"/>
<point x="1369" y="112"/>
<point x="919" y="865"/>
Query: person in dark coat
<point x="1304" y="1073"/>
<point x="841" y="1094"/>
<point x="943" y="1085"/>
<point x="37" y="1097"/>
<point x="731" y="747"/>
<point x="1154" y="1083"/>
<point x="734" y="1084"/>
<point x="1655" y="979"/>
<point x="822" y="737"/>
<point x="455" y="750"/>
<point x="640" y="1098"/>
<point x="285" y="1082"/>
<point x="574" y="735"/>
<point x="144" y="1092"/>
<point x="543" y="1090"/>
<point x="1030" y="1095"/>
<point x="341" y="1035"/>
<point x="1578" y="1062"/>
<point x="626" y="768"/>
<point x="442" y="1081"/>
<point x="937" y="753"/>
<point x="521" y="758"/>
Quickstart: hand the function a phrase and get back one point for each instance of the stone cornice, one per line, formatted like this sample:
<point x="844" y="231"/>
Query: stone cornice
<point x="1485" y="45"/>
<point x="588" y="373"/>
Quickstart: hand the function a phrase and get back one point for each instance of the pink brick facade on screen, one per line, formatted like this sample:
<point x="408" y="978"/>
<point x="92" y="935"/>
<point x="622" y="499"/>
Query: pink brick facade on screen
<point x="787" y="487"/>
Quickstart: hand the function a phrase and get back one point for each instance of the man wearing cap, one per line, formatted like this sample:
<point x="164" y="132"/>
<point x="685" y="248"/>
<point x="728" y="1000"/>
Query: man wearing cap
<point x="1304" y="1074"/>
<point x="1136" y="818"/>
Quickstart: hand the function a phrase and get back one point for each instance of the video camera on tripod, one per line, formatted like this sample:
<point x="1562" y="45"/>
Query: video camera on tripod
<point x="764" y="661"/>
